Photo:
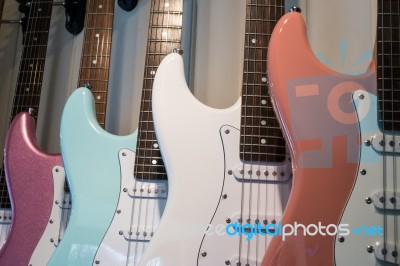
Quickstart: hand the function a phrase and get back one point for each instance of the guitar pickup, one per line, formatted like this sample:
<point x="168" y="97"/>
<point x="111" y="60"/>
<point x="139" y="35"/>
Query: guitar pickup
<point x="386" y="253"/>
<point x="387" y="144"/>
<point x="261" y="173"/>
<point x="149" y="190"/>
<point x="387" y="201"/>
<point x="5" y="216"/>
<point x="138" y="234"/>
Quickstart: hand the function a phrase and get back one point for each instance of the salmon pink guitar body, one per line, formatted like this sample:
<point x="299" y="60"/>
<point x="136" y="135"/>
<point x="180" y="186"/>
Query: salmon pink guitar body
<point x="315" y="107"/>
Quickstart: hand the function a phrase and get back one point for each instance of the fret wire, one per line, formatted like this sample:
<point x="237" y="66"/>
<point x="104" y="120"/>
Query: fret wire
<point x="154" y="55"/>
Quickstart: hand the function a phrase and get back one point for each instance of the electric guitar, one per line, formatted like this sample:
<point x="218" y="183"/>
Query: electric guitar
<point x="226" y="166"/>
<point x="118" y="195"/>
<point x="375" y="196"/>
<point x="315" y="107"/>
<point x="34" y="178"/>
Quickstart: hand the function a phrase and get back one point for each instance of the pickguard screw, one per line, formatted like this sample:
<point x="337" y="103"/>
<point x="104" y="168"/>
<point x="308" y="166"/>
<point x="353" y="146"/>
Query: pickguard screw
<point x="204" y="254"/>
<point x="368" y="200"/>
<point x="120" y="232"/>
<point x="370" y="249"/>
<point x="97" y="262"/>
<point x="363" y="171"/>
<point x="227" y="262"/>
<point x="361" y="96"/>
<point x="384" y="251"/>
<point x="227" y="131"/>
<point x="57" y="170"/>
<point x="51" y="240"/>
<point x="381" y="142"/>
<point x="123" y="154"/>
<point x="394" y="253"/>
<point x="51" y="221"/>
<point x="228" y="220"/>
<point x="341" y="239"/>
<point x="118" y="211"/>
<point x="125" y="190"/>
<point x="367" y="142"/>
<point x="56" y="202"/>
<point x="224" y="196"/>
<point x="381" y="199"/>
<point x="393" y="200"/>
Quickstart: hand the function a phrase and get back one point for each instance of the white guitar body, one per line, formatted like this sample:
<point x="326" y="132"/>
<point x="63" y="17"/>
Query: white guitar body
<point x="200" y="148"/>
<point x="364" y="209"/>
<point x="139" y="210"/>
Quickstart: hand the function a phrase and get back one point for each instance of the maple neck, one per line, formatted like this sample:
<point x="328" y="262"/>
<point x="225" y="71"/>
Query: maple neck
<point x="164" y="35"/>
<point x="30" y="76"/>
<point x="95" y="59"/>
<point x="261" y="138"/>
<point x="388" y="69"/>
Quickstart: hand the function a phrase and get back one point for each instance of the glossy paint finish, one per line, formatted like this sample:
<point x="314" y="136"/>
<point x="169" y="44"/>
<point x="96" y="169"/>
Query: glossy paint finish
<point x="92" y="166"/>
<point x="30" y="183"/>
<point x="315" y="108"/>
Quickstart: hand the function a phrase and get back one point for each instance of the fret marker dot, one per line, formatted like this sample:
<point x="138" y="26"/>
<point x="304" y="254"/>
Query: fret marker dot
<point x="100" y="6"/>
<point x="98" y="97"/>
<point x="166" y="4"/>
<point x="94" y="61"/>
<point x="27" y="89"/>
<point x="97" y="35"/>
<point x="31" y="65"/>
<point x="263" y="102"/>
<point x="264" y="79"/>
<point x="253" y="40"/>
<point x="154" y="161"/>
<point x="152" y="72"/>
<point x="39" y="9"/>
<point x="164" y="33"/>
<point x="35" y="39"/>
<point x="155" y="145"/>
<point x="263" y="141"/>
<point x="263" y="122"/>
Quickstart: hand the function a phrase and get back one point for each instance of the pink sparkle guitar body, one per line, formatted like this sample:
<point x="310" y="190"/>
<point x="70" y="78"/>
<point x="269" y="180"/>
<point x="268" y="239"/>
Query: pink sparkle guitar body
<point x="29" y="173"/>
<point x="316" y="111"/>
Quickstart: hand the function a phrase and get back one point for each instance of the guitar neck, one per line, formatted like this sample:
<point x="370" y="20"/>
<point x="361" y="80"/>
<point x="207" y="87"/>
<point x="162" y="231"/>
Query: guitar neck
<point x="95" y="59"/>
<point x="30" y="76"/>
<point x="260" y="135"/>
<point x="388" y="70"/>
<point x="164" y="35"/>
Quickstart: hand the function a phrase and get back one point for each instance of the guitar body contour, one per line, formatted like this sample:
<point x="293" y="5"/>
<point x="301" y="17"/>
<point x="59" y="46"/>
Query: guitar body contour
<point x="200" y="145"/>
<point x="315" y="108"/>
<point x="91" y="159"/>
<point x="30" y="174"/>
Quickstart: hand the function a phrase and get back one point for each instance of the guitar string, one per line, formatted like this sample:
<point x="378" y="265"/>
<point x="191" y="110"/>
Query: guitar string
<point x="392" y="14"/>
<point x="383" y="130"/>
<point x="244" y="120"/>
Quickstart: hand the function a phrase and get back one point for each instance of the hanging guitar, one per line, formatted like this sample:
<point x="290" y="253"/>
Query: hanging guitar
<point x="375" y="196"/>
<point x="34" y="178"/>
<point x="321" y="124"/>
<point x="115" y="213"/>
<point x="224" y="166"/>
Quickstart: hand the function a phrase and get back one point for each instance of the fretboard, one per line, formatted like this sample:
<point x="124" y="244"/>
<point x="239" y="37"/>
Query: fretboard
<point x="260" y="134"/>
<point x="95" y="59"/>
<point x="164" y="35"/>
<point x="29" y="81"/>
<point x="388" y="69"/>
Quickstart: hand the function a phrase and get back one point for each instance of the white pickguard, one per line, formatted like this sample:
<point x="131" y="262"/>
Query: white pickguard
<point x="139" y="210"/>
<point x="188" y="133"/>
<point x="262" y="200"/>
<point x="50" y="238"/>
<point x="367" y="249"/>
